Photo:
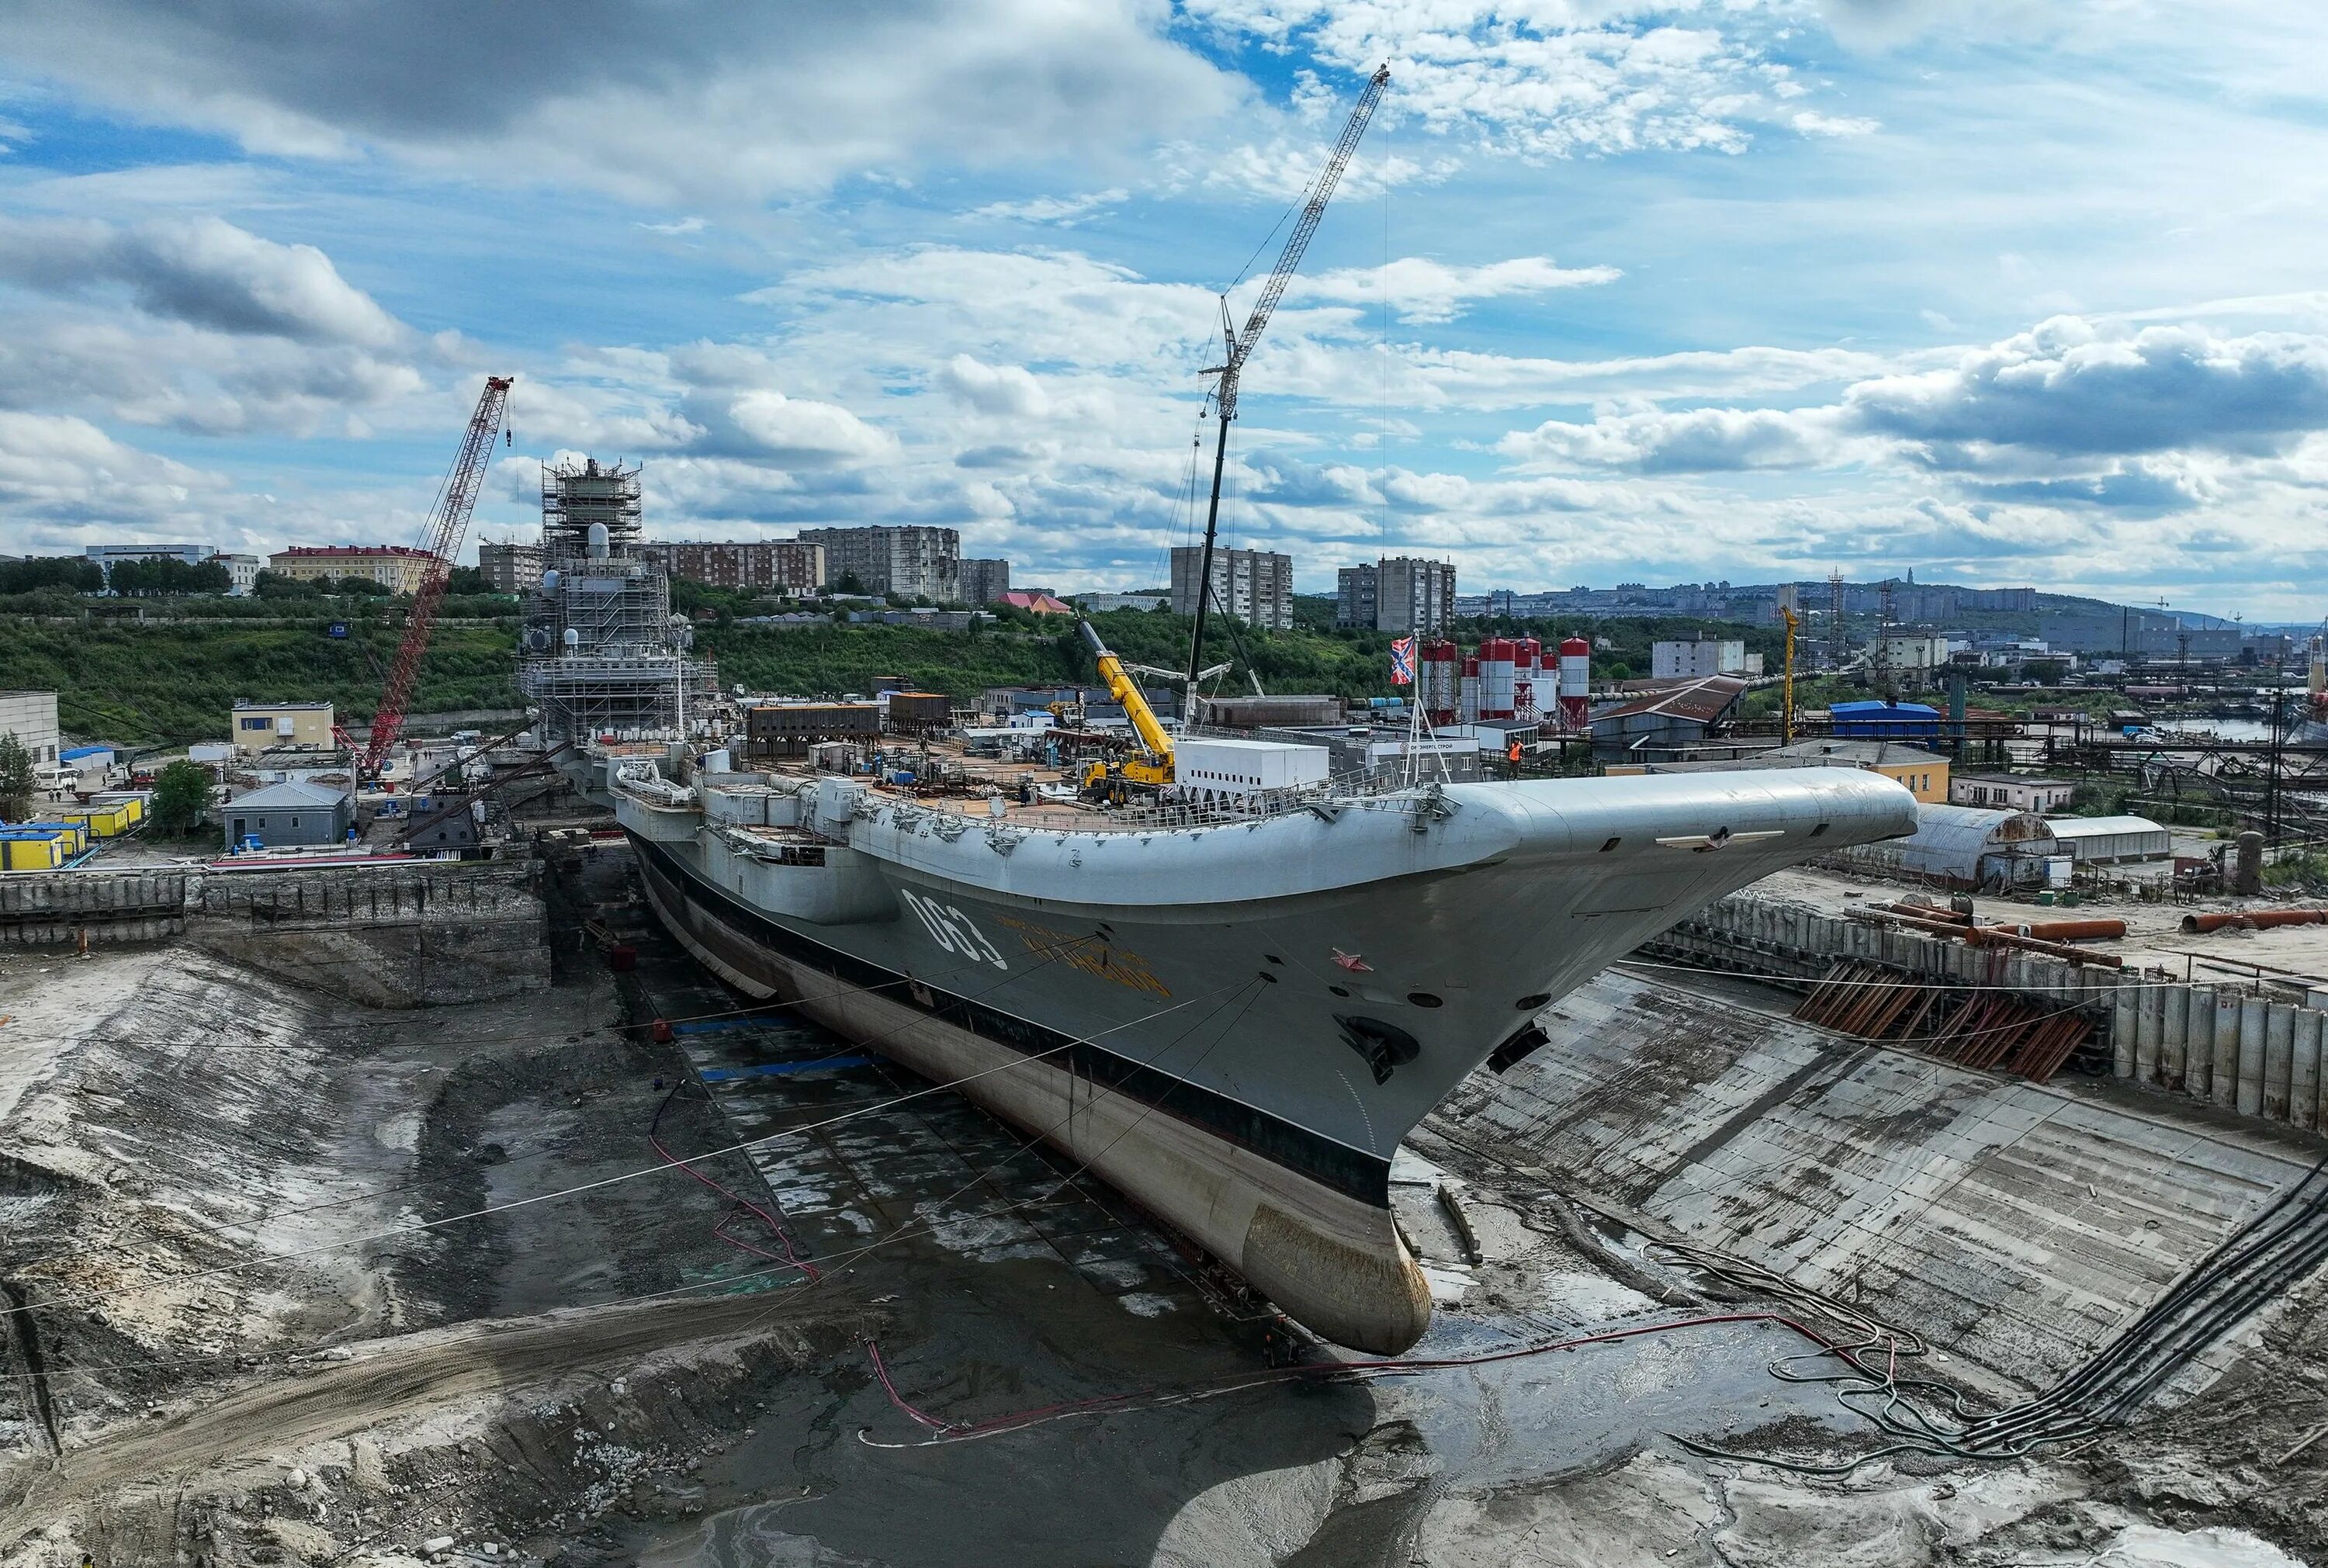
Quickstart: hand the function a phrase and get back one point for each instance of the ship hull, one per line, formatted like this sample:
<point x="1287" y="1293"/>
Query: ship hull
<point x="1333" y="1260"/>
<point x="1234" y="1027"/>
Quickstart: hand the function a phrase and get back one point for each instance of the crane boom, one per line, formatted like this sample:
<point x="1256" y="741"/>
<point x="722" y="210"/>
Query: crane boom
<point x="448" y="525"/>
<point x="1239" y="345"/>
<point x="1313" y="209"/>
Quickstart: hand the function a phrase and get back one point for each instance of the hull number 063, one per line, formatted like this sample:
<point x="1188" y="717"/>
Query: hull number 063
<point x="952" y="929"/>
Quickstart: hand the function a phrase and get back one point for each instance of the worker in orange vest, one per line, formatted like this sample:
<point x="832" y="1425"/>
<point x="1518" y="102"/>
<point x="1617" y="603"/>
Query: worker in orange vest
<point x="1512" y="756"/>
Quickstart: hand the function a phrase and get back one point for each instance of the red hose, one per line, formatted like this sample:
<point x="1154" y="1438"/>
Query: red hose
<point x="775" y="1226"/>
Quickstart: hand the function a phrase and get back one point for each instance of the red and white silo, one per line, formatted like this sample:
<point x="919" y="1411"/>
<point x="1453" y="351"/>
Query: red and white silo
<point x="1467" y="704"/>
<point x="1498" y="657"/>
<point x="1440" y="688"/>
<point x="1575" y="684"/>
<point x="1528" y="663"/>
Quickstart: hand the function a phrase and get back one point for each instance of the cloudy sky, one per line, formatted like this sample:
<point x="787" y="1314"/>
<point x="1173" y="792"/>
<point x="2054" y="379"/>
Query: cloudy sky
<point x="1746" y="289"/>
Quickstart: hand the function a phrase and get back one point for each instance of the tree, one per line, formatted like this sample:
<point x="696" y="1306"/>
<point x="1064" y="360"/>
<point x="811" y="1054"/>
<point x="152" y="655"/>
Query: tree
<point x="463" y="580"/>
<point x="183" y="792"/>
<point x="16" y="780"/>
<point x="274" y="585"/>
<point x="76" y="573"/>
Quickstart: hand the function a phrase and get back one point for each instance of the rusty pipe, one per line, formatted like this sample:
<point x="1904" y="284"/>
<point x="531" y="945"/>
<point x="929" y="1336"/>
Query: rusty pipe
<point x="1999" y="937"/>
<point x="2067" y="930"/>
<point x="1925" y="912"/>
<point x="2254" y="919"/>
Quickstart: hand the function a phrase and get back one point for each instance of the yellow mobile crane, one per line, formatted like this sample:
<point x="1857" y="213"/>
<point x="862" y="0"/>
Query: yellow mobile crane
<point x="1153" y="768"/>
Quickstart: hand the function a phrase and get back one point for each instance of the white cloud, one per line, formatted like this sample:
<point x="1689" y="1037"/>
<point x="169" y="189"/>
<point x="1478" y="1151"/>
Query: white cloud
<point x="713" y="103"/>
<point x="1065" y="211"/>
<point x="58" y="473"/>
<point x="1531" y="78"/>
<point x="1811" y="123"/>
<point x="1003" y="390"/>
<point x="799" y="430"/>
<point x="203" y="271"/>
<point x="1690" y="441"/>
<point x="1421" y="290"/>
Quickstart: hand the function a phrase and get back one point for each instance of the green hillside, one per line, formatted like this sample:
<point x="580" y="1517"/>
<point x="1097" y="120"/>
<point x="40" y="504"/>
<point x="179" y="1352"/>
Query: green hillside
<point x="174" y="680"/>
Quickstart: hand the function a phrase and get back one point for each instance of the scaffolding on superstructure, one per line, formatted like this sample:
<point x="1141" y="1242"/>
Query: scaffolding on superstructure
<point x="603" y="655"/>
<point x="574" y="495"/>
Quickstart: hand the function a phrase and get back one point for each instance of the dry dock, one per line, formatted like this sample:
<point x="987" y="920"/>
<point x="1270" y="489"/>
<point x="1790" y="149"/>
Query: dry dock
<point x="327" y="1261"/>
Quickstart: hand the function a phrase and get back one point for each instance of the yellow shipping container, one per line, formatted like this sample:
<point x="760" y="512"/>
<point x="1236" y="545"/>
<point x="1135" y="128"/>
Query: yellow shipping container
<point x="74" y="832"/>
<point x="104" y="822"/>
<point x="36" y="854"/>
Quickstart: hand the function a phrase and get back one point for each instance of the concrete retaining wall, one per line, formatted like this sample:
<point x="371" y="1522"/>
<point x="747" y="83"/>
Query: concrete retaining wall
<point x="2234" y="1046"/>
<point x="414" y="934"/>
<point x="47" y="909"/>
<point x="405" y="934"/>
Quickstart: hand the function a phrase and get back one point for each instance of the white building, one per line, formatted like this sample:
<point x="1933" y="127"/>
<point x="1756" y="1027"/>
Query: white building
<point x="1697" y="657"/>
<point x="1252" y="585"/>
<point x="32" y="718"/>
<point x="1914" y="653"/>
<point x="2010" y="792"/>
<point x="2112" y="840"/>
<point x="242" y="572"/>
<point x="1226" y="771"/>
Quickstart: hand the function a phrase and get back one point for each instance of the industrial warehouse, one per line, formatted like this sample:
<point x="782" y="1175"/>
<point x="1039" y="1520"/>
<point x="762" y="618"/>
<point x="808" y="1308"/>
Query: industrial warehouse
<point x="908" y="790"/>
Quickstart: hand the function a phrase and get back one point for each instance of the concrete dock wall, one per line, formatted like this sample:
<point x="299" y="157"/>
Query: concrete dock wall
<point x="2022" y="1224"/>
<point x="54" y="909"/>
<point x="2238" y="1047"/>
<point x="428" y="934"/>
<point x="403" y="934"/>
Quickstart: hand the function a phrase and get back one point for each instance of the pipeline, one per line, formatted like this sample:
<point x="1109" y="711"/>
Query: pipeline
<point x="2254" y="919"/>
<point x="2091" y="928"/>
<point x="2000" y="936"/>
<point x="2096" y="928"/>
<point x="1932" y="913"/>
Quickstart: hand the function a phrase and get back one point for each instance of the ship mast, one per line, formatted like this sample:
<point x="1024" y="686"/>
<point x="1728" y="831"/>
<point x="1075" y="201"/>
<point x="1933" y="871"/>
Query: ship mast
<point x="1238" y="345"/>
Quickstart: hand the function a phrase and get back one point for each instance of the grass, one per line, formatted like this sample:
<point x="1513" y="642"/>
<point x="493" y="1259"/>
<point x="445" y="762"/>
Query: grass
<point x="170" y="682"/>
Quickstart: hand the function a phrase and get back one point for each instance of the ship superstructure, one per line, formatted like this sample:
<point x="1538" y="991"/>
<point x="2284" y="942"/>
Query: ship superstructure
<point x="604" y="658"/>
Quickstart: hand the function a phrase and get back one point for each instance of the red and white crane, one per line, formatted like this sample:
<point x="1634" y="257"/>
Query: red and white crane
<point x="449" y="524"/>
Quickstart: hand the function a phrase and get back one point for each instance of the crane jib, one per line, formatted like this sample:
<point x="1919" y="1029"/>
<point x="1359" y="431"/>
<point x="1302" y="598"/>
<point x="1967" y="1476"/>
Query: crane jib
<point x="1239" y="345"/>
<point x="450" y="522"/>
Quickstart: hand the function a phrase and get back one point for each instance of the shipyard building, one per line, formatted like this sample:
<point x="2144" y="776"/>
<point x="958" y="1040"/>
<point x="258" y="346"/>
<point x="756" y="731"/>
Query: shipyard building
<point x="398" y="567"/>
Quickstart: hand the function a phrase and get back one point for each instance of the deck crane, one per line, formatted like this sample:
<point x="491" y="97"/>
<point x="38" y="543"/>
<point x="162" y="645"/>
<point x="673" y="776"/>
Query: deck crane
<point x="1240" y="344"/>
<point x="448" y="523"/>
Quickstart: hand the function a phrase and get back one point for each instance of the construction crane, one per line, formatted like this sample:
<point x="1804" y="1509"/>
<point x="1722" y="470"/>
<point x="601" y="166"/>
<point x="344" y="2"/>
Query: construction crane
<point x="448" y="523"/>
<point x="1239" y="344"/>
<point x="1153" y="769"/>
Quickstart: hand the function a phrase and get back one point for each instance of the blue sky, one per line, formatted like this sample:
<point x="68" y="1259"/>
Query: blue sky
<point x="1743" y="289"/>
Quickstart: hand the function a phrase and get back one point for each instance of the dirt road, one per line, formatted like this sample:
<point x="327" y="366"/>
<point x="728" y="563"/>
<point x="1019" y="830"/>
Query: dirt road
<point x="405" y="1376"/>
